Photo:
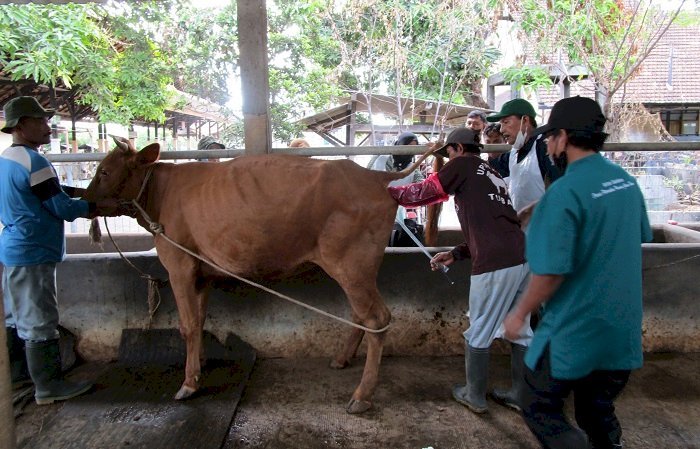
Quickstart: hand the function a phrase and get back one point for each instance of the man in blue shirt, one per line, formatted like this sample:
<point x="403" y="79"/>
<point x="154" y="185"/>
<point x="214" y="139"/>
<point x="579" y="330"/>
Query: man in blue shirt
<point x="584" y="250"/>
<point x="33" y="207"/>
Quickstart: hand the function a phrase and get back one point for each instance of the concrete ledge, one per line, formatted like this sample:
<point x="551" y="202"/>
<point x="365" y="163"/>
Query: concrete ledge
<point x="127" y="242"/>
<point x="675" y="234"/>
<point x="690" y="225"/>
<point x="99" y="295"/>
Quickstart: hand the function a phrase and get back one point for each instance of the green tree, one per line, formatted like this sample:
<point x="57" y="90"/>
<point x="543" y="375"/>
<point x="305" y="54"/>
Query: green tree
<point x="118" y="73"/>
<point x="610" y="38"/>
<point x="120" y="57"/>
<point x="412" y="48"/>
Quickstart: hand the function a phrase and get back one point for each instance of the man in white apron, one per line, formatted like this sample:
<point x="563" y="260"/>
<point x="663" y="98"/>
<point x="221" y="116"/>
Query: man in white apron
<point x="527" y="168"/>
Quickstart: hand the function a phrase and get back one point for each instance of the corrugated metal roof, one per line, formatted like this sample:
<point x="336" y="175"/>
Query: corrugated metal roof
<point x="408" y="109"/>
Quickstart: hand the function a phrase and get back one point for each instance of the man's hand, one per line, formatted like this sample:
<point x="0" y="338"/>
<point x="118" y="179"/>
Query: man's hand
<point x="525" y="214"/>
<point x="109" y="207"/>
<point x="444" y="258"/>
<point x="432" y="146"/>
<point x="78" y="192"/>
<point x="540" y="289"/>
<point x="513" y="324"/>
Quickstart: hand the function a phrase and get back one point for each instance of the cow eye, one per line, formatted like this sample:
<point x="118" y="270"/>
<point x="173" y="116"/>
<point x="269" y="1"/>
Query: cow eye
<point x="103" y="172"/>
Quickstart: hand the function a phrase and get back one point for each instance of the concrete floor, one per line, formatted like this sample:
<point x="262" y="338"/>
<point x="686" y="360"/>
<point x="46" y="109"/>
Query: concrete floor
<point x="299" y="403"/>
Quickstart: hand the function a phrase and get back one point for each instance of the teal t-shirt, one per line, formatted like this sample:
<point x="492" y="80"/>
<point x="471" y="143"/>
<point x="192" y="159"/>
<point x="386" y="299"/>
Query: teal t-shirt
<point x="589" y="227"/>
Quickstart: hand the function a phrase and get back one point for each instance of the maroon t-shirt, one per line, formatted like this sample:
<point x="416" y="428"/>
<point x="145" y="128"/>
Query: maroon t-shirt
<point x="493" y="238"/>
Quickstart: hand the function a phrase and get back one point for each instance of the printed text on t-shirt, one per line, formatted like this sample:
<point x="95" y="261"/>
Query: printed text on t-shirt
<point x="498" y="182"/>
<point x="612" y="186"/>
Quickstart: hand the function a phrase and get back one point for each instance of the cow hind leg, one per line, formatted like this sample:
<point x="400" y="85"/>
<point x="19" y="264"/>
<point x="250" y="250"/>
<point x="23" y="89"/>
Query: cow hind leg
<point x="370" y="311"/>
<point x="342" y="360"/>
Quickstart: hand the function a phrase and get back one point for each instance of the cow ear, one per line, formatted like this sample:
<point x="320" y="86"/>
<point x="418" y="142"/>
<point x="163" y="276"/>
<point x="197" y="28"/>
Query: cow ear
<point x="149" y="154"/>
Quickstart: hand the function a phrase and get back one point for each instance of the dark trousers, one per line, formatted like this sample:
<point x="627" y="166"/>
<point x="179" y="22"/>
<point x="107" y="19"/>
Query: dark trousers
<point x="543" y="407"/>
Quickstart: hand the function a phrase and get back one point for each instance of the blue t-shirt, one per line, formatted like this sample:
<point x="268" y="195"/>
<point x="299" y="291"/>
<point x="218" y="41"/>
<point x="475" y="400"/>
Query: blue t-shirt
<point x="33" y="207"/>
<point x="589" y="227"/>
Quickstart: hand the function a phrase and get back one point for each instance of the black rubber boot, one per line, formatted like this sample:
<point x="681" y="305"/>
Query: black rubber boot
<point x="512" y="398"/>
<point x="18" y="361"/>
<point x="44" y="360"/>
<point x="473" y="394"/>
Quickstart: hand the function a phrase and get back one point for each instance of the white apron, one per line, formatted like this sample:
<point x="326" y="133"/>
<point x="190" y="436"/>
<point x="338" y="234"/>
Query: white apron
<point x="525" y="183"/>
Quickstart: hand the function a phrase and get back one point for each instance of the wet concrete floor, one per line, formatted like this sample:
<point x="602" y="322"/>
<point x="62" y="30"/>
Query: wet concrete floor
<point x="299" y="403"/>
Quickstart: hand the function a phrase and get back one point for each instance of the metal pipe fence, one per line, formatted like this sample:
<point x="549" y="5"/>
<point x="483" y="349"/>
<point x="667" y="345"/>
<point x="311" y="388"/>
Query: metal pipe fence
<point x="668" y="172"/>
<point x="367" y="151"/>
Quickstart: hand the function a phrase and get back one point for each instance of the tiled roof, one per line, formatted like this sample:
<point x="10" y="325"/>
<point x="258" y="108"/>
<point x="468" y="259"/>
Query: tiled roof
<point x="650" y="84"/>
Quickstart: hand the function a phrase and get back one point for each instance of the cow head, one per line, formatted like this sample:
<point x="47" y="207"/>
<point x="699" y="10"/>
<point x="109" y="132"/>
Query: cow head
<point x="121" y="173"/>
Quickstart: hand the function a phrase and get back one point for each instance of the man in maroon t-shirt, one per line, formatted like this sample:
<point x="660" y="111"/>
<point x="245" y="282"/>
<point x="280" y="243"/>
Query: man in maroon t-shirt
<point x="496" y="246"/>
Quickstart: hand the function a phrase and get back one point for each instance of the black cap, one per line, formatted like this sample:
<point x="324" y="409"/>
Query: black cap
<point x="574" y="114"/>
<point x="465" y="136"/>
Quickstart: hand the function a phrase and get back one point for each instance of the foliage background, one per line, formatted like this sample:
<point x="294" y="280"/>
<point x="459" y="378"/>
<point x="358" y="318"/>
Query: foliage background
<point x="121" y="57"/>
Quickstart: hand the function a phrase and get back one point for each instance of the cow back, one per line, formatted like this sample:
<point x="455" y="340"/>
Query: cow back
<point x="267" y="214"/>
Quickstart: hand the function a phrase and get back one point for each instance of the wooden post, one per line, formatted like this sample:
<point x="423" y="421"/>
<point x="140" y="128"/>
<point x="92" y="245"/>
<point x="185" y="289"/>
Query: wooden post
<point x="102" y="137"/>
<point x="7" y="417"/>
<point x="352" y="110"/>
<point x="132" y="134"/>
<point x="74" y="136"/>
<point x="255" y="85"/>
<point x="491" y="96"/>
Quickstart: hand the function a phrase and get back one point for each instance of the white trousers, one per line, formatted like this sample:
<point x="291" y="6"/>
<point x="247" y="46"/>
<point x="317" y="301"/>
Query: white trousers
<point x="491" y="296"/>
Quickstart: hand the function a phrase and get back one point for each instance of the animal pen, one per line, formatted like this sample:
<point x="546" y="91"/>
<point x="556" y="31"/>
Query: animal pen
<point x="103" y="303"/>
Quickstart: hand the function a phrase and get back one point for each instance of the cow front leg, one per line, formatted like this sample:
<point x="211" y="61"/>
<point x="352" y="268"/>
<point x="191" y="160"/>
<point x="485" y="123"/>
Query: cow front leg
<point x="189" y="302"/>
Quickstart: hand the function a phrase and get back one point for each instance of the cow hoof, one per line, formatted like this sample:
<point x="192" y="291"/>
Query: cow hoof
<point x="184" y="393"/>
<point x="335" y="364"/>
<point x="354" y="406"/>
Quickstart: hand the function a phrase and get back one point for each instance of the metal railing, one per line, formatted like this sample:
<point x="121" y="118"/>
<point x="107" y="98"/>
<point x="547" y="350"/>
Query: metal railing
<point x="661" y="168"/>
<point x="368" y="150"/>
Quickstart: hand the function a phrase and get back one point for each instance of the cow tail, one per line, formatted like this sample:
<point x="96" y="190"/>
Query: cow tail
<point x="433" y="211"/>
<point x="414" y="166"/>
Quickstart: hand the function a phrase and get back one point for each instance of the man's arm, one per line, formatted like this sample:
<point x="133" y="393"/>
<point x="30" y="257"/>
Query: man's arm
<point x="73" y="192"/>
<point x="548" y="170"/>
<point x="461" y="252"/>
<point x="500" y="163"/>
<point x="541" y="288"/>
<point x="421" y="193"/>
<point x="525" y="214"/>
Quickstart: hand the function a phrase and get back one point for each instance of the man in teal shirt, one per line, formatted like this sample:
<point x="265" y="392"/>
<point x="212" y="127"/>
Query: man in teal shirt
<point x="584" y="250"/>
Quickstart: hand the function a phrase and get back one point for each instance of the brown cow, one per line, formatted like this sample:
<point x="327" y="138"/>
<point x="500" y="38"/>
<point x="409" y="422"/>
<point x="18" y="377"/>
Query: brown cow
<point x="258" y="216"/>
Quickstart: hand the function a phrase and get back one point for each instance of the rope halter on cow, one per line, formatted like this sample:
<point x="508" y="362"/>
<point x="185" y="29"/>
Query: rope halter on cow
<point x="158" y="230"/>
